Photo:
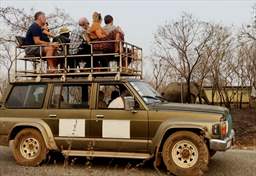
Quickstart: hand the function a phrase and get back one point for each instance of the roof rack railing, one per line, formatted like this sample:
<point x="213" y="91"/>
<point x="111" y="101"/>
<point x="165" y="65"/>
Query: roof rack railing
<point x="99" y="61"/>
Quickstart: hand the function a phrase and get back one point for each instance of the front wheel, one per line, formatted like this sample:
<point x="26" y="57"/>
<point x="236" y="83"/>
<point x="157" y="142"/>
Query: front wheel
<point x="185" y="154"/>
<point x="29" y="147"/>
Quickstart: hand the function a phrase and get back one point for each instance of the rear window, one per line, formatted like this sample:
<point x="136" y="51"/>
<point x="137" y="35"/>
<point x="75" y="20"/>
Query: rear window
<point x="26" y="96"/>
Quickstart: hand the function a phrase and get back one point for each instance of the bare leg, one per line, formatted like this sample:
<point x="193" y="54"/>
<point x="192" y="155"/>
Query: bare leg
<point x="118" y="48"/>
<point x="50" y="51"/>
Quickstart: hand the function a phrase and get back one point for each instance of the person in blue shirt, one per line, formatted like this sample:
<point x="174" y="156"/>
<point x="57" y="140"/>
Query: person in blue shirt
<point x="34" y="36"/>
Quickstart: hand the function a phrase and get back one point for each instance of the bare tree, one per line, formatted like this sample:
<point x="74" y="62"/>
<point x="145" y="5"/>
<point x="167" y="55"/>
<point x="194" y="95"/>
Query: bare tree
<point x="183" y="45"/>
<point x="212" y="55"/>
<point x="160" y="73"/>
<point x="221" y="55"/>
<point x="247" y="44"/>
<point x="16" y="22"/>
<point x="8" y="60"/>
<point x="247" y="52"/>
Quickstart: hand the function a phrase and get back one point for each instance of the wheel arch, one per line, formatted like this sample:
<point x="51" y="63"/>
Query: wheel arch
<point x="170" y="131"/>
<point x="46" y="133"/>
<point x="167" y="129"/>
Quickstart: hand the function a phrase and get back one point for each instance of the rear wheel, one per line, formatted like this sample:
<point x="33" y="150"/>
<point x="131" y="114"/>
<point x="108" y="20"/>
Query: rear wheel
<point x="29" y="147"/>
<point x="185" y="154"/>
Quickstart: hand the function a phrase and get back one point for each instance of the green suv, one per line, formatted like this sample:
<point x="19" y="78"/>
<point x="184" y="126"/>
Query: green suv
<point x="104" y="117"/>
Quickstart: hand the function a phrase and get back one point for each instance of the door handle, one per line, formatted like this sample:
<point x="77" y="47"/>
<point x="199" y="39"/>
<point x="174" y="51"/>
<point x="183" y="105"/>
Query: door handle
<point x="100" y="116"/>
<point x="134" y="111"/>
<point x="52" y="115"/>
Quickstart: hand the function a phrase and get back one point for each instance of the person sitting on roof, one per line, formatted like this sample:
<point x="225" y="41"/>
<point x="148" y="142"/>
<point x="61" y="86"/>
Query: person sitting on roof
<point x="109" y="25"/>
<point x="46" y="33"/>
<point x="78" y="37"/>
<point x="34" y="36"/>
<point x="97" y="33"/>
<point x="63" y="38"/>
<point x="79" y="44"/>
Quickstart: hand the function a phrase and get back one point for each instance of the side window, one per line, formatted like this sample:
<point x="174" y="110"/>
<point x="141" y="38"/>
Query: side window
<point x="27" y="96"/>
<point x="70" y="96"/>
<point x="56" y="97"/>
<point x="111" y="96"/>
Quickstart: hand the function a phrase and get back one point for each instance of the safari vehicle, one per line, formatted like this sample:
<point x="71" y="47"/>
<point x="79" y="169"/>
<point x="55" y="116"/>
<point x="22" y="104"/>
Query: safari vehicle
<point x="72" y="116"/>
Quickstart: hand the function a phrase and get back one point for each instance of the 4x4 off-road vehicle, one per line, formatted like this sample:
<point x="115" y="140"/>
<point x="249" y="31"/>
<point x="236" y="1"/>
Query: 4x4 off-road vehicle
<point x="72" y="111"/>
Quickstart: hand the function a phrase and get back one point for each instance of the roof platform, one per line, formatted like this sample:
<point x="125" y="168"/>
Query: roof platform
<point x="96" y="63"/>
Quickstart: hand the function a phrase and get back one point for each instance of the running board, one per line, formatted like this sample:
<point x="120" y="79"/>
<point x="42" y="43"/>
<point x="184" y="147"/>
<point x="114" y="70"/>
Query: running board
<point x="106" y="154"/>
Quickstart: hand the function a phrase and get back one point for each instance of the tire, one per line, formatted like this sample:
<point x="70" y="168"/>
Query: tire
<point x="185" y="154"/>
<point x="29" y="148"/>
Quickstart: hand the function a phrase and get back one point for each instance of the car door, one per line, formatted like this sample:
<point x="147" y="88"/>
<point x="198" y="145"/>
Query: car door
<point x="117" y="129"/>
<point x="68" y="115"/>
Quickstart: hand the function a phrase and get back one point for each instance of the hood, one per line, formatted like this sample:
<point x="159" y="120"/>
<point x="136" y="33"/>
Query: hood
<point x="189" y="107"/>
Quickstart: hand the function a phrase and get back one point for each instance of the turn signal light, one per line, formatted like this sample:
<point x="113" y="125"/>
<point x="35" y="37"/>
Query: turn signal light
<point x="224" y="129"/>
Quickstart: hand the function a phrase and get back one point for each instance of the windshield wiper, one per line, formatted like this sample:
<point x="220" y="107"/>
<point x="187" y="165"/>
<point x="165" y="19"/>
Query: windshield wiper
<point x="162" y="98"/>
<point x="147" y="96"/>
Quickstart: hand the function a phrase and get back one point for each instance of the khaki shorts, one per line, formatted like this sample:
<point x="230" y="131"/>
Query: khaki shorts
<point x="34" y="51"/>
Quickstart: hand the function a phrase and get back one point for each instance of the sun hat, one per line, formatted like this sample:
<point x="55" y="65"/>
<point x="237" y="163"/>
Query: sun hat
<point x="64" y="30"/>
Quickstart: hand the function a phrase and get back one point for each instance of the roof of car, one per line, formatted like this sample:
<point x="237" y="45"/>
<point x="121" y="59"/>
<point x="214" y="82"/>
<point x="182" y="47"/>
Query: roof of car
<point x="79" y="80"/>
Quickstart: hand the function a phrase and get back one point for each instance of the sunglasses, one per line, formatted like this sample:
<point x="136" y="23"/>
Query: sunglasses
<point x="84" y="24"/>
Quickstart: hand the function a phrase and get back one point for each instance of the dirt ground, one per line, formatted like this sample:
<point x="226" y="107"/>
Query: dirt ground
<point x="244" y="123"/>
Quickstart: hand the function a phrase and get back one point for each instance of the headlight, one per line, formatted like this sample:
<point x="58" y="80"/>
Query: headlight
<point x="216" y="129"/>
<point x="220" y="129"/>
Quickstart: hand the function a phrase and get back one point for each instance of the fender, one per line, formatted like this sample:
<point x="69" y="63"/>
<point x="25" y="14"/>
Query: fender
<point x="43" y="128"/>
<point x="169" y="125"/>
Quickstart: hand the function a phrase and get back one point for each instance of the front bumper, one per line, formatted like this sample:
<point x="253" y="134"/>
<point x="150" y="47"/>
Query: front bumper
<point x="222" y="145"/>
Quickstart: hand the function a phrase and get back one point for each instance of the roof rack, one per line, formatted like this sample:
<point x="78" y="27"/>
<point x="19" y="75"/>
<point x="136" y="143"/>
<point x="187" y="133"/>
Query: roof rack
<point x="96" y="63"/>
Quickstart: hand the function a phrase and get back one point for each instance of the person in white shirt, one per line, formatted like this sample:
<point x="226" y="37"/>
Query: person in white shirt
<point x="118" y="103"/>
<point x="109" y="25"/>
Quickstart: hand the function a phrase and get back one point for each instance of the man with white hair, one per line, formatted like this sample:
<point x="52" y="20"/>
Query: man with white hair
<point x="78" y="36"/>
<point x="79" y="44"/>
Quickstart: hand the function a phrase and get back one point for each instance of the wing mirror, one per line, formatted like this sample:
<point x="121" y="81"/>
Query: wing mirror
<point x="129" y="103"/>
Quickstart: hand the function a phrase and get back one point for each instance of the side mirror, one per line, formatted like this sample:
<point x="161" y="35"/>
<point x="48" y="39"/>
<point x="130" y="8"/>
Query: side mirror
<point x="129" y="103"/>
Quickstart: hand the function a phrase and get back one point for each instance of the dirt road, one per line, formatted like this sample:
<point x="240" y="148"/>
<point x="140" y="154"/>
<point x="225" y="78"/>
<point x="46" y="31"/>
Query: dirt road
<point x="231" y="163"/>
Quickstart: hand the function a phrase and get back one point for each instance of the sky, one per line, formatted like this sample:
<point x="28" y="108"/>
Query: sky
<point x="140" y="19"/>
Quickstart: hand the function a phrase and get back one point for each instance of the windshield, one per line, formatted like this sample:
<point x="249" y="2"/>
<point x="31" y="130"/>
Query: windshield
<point x="148" y="94"/>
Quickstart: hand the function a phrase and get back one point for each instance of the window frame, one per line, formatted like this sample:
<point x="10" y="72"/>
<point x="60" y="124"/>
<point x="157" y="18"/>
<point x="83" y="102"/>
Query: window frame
<point x="61" y="88"/>
<point x="113" y="84"/>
